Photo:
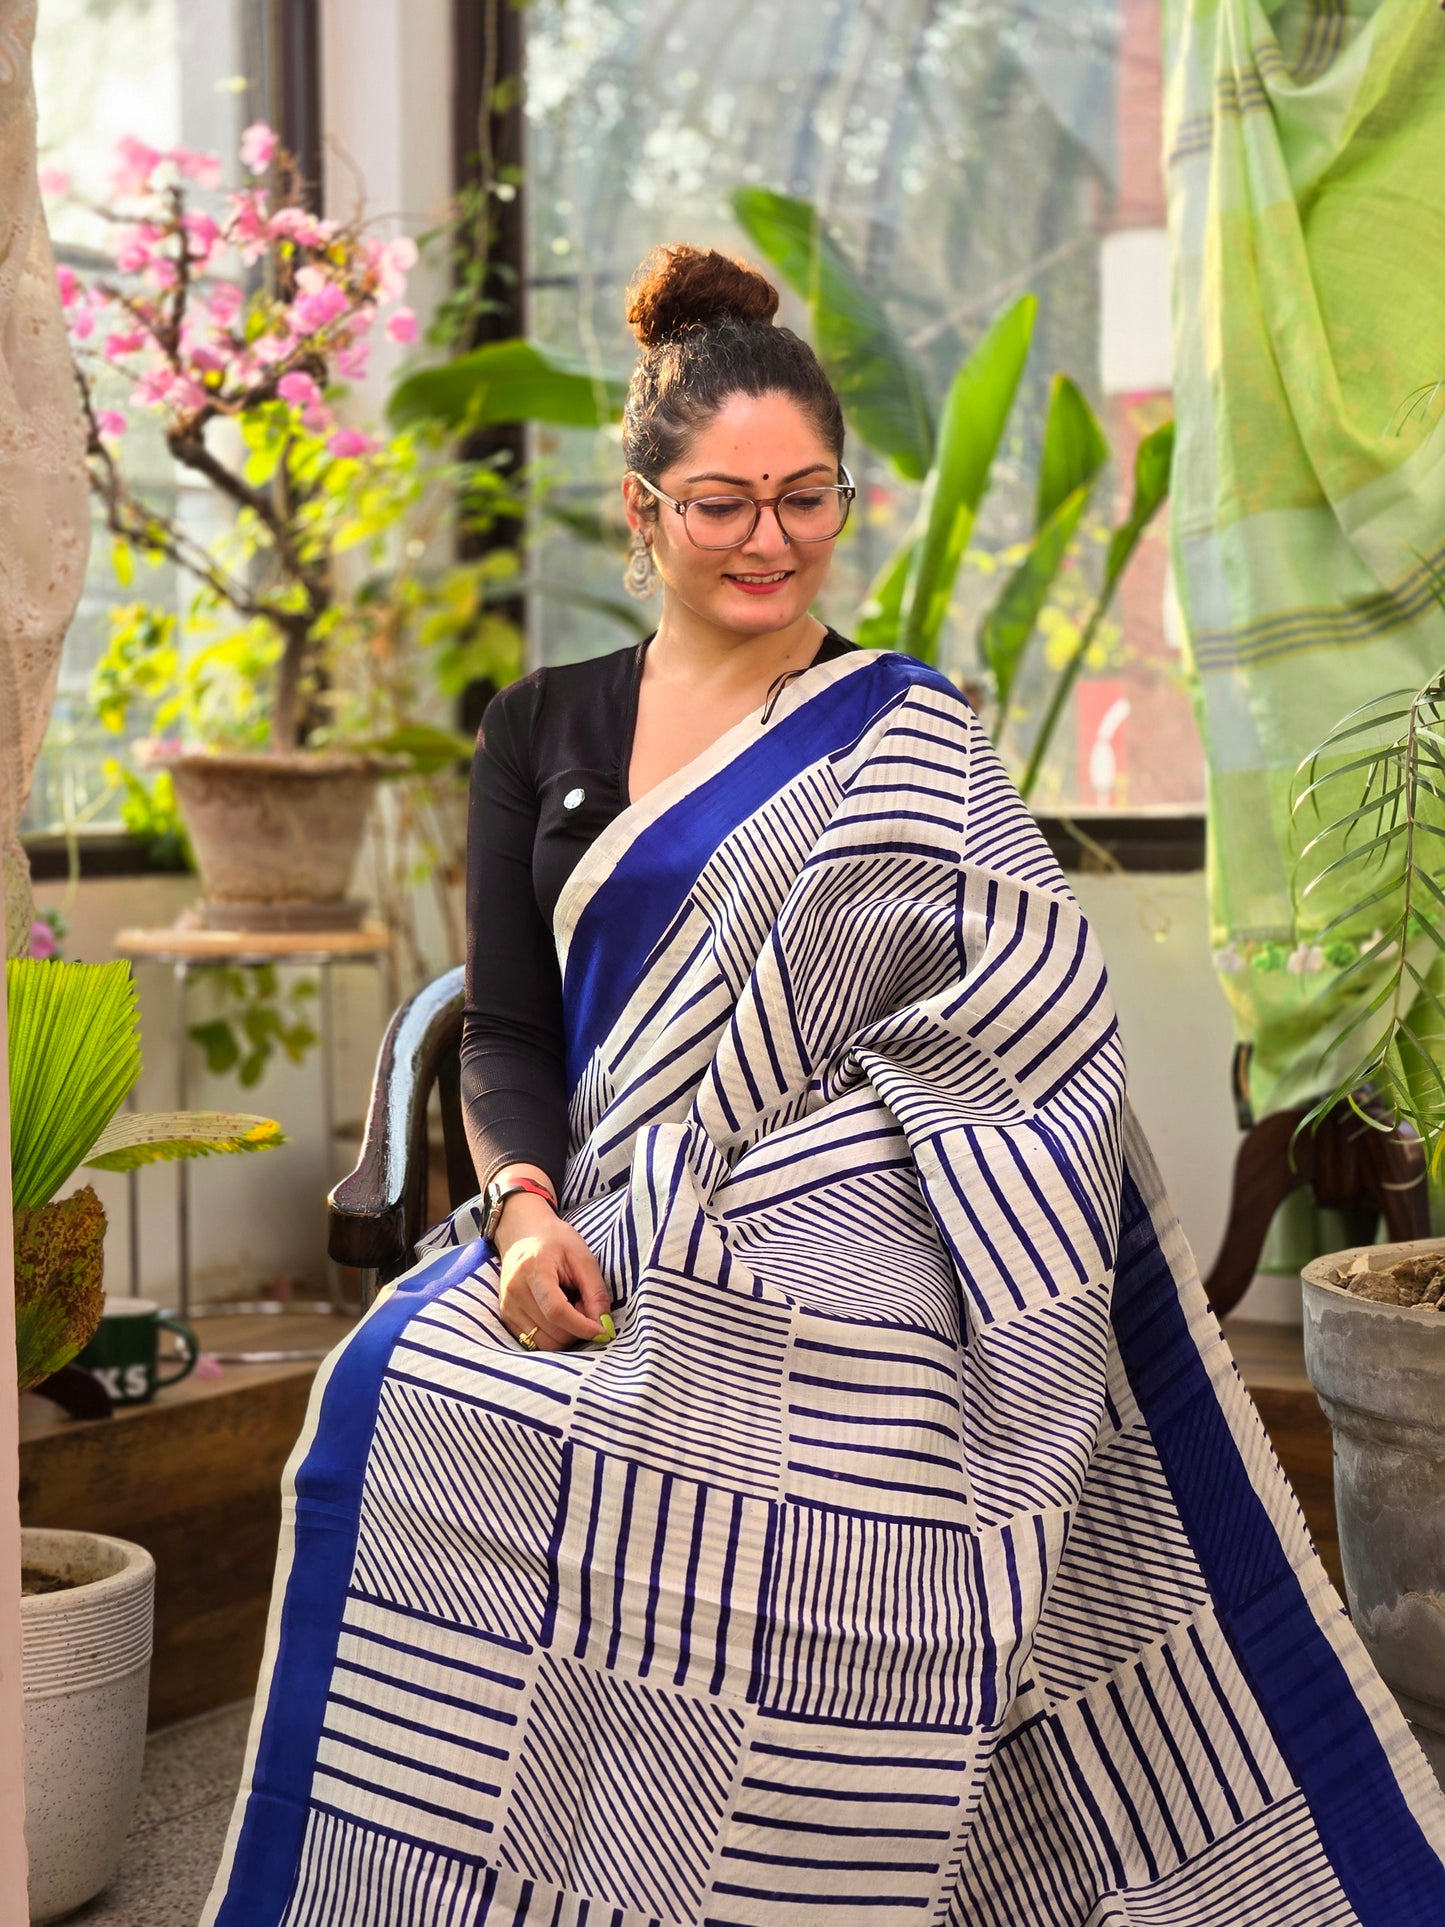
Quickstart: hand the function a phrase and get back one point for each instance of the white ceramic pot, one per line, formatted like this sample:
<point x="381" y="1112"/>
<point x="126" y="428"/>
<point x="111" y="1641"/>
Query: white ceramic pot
<point x="87" y="1663"/>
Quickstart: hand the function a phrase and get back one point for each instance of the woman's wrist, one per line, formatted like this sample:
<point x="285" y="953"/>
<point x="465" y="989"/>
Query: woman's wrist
<point x="524" y="1213"/>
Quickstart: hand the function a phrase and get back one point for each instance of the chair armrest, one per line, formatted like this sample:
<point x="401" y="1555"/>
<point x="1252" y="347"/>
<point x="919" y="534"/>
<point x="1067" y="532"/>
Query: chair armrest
<point x="376" y="1213"/>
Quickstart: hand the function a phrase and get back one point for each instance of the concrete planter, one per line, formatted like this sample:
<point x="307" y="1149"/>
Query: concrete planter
<point x="86" y="1667"/>
<point x="1379" y="1373"/>
<point x="276" y="837"/>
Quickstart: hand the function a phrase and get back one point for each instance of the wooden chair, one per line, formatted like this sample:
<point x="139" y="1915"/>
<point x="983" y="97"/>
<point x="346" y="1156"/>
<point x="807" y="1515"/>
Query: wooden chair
<point x="1349" y="1165"/>
<point x="379" y="1211"/>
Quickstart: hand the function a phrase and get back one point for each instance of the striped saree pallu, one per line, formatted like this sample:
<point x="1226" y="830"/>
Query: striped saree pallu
<point x="913" y="1553"/>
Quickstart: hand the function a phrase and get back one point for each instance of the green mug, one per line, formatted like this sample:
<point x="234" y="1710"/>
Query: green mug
<point x="123" y="1352"/>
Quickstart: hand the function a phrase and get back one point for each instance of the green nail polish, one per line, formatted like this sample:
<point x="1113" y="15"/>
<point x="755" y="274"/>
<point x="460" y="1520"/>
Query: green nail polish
<point x="609" y="1330"/>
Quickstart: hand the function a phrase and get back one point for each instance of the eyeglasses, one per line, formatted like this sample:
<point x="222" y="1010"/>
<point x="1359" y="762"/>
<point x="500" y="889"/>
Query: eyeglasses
<point x="814" y="514"/>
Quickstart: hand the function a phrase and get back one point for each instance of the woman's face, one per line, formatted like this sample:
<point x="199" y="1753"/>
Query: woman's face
<point x="756" y="445"/>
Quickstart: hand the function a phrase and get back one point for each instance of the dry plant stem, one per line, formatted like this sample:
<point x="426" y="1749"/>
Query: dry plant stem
<point x="133" y="522"/>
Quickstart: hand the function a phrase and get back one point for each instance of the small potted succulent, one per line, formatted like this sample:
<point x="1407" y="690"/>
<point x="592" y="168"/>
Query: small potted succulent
<point x="231" y="321"/>
<point x="87" y="1599"/>
<point x="1370" y="804"/>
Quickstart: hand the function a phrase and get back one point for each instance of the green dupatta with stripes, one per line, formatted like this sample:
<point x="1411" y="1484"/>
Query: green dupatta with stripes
<point x="1305" y="145"/>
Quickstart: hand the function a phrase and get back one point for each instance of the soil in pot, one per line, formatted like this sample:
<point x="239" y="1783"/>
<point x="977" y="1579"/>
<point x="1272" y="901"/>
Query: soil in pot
<point x="35" y="1580"/>
<point x="1417" y="1282"/>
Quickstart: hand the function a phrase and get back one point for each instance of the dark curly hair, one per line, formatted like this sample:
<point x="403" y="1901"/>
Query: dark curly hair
<point x="704" y="323"/>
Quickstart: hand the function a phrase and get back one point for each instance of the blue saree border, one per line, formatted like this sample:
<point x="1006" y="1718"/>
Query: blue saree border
<point x="1386" y="1866"/>
<point x="632" y="908"/>
<point x="328" y="1518"/>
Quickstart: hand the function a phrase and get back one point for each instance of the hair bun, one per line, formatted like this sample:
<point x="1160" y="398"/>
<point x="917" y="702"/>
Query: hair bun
<point x="683" y="287"/>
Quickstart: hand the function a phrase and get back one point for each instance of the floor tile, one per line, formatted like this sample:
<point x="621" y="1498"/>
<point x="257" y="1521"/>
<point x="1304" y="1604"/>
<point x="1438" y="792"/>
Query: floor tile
<point x="175" y="1842"/>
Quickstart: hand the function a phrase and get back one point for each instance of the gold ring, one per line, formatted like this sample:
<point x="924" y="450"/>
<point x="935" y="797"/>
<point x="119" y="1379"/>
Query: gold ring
<point x="528" y="1338"/>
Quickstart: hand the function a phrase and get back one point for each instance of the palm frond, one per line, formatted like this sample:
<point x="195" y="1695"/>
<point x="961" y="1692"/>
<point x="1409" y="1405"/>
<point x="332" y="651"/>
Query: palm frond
<point x="74" y="1053"/>
<point x="1381" y="810"/>
<point x="132" y="1139"/>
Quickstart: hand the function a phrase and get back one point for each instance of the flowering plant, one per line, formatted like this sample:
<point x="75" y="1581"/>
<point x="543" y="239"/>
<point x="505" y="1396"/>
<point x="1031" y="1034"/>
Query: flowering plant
<point x="233" y="325"/>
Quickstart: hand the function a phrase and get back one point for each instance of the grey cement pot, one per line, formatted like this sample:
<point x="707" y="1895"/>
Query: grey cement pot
<point x="276" y="837"/>
<point x="1379" y="1373"/>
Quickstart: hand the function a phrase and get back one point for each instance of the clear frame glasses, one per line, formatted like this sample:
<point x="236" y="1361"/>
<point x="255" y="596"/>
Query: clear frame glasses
<point x="813" y="514"/>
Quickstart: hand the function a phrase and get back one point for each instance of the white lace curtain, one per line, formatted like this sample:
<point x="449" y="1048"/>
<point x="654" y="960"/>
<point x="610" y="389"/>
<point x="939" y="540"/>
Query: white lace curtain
<point x="44" y="517"/>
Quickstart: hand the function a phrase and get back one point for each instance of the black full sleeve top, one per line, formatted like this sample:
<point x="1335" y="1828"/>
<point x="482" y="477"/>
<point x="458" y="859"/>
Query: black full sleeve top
<point x="549" y="775"/>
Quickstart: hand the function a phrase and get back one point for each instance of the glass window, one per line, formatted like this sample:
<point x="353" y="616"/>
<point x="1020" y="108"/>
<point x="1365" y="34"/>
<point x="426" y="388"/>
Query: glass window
<point x="175" y="73"/>
<point x="964" y="151"/>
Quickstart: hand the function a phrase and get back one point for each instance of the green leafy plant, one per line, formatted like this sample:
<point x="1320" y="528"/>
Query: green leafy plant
<point x="886" y="400"/>
<point x="255" y="1018"/>
<point x="1369" y="811"/>
<point x="74" y="1056"/>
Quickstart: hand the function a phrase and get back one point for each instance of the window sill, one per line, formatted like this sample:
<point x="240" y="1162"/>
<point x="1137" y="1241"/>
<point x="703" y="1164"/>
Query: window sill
<point x="100" y="853"/>
<point x="1096" y="842"/>
<point x="1157" y="842"/>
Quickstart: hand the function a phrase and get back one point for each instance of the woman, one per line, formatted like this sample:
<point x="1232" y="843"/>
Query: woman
<point x="807" y="1484"/>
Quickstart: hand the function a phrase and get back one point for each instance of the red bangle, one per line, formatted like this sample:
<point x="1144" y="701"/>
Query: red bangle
<point x="531" y="1184"/>
<point x="497" y="1194"/>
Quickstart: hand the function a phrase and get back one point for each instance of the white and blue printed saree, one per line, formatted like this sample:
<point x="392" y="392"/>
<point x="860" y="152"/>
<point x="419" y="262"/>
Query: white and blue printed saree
<point x="913" y="1555"/>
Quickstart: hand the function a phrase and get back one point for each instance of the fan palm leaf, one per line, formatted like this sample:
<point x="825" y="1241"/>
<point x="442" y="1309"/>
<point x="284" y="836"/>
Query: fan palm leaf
<point x="74" y="1054"/>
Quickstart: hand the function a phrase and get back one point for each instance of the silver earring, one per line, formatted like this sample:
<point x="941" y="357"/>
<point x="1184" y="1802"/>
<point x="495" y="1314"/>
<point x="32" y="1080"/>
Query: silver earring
<point x="642" y="576"/>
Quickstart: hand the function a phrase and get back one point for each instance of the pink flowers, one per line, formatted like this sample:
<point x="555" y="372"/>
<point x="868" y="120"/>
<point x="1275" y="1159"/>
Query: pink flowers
<point x="248" y="229"/>
<point x="175" y="317"/>
<point x="349" y="444"/>
<point x="351" y="361"/>
<point x="42" y="939"/>
<point x="320" y="302"/>
<point x="258" y="147"/>
<point x="134" y="165"/>
<point x="223" y="304"/>
<point x="54" y="183"/>
<point x="392" y="262"/>
<point x="203" y="169"/>
<point x="133" y="256"/>
<point x="204" y="236"/>
<point x="301" y="391"/>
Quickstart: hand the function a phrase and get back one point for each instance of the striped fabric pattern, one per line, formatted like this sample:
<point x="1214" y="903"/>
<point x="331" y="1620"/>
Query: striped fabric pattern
<point x="913" y="1555"/>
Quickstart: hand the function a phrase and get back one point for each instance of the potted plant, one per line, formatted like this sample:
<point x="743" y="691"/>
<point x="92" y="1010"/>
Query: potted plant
<point x="1370" y="804"/>
<point x="87" y="1598"/>
<point x="230" y="322"/>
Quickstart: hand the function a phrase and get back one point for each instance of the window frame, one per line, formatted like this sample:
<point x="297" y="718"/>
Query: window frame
<point x="294" y="36"/>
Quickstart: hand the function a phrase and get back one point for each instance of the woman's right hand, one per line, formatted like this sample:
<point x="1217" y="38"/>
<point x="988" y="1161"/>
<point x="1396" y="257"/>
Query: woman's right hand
<point x="552" y="1287"/>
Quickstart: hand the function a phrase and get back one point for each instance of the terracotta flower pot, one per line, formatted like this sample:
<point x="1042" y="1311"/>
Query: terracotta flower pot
<point x="276" y="837"/>
<point x="86" y="1665"/>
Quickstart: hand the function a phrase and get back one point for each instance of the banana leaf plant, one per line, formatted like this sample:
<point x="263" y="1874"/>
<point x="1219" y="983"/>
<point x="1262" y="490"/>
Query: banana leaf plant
<point x="1369" y="815"/>
<point x="885" y="398"/>
<point x="74" y="1056"/>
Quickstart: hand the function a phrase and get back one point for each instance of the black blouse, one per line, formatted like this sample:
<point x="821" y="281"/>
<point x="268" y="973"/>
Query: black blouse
<point x="549" y="775"/>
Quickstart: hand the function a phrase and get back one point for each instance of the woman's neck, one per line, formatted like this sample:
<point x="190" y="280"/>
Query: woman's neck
<point x="721" y="662"/>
